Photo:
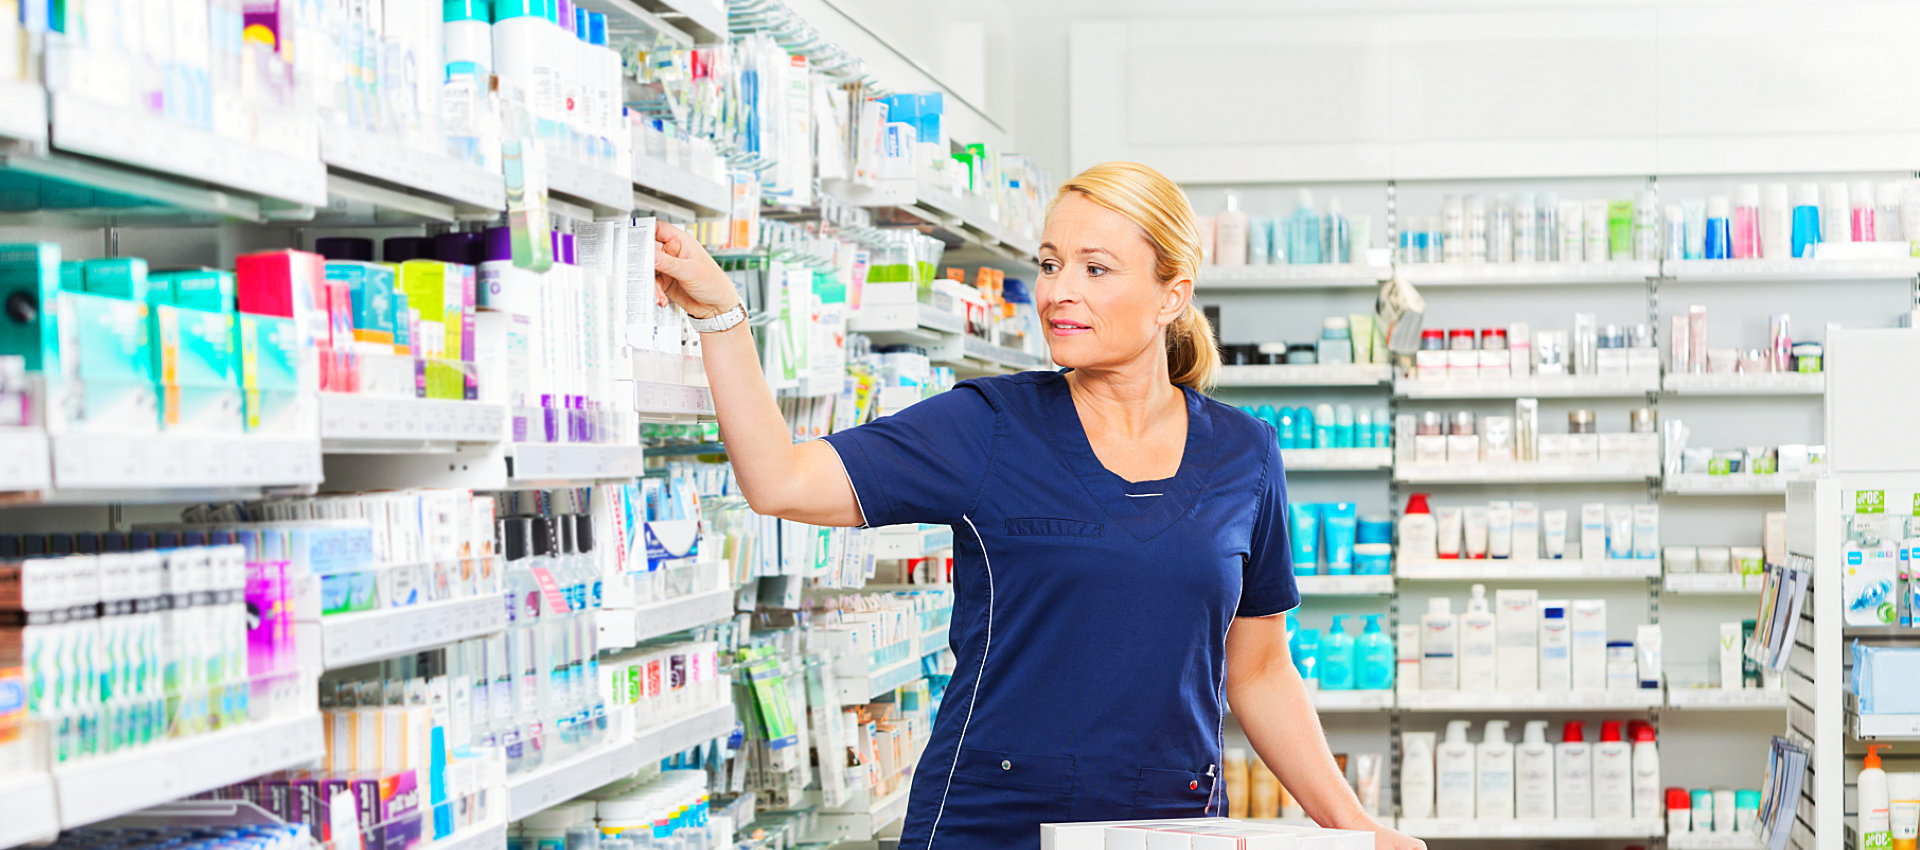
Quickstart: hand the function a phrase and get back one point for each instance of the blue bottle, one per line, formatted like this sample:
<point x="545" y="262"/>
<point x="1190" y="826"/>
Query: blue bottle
<point x="1374" y="658"/>
<point x="1265" y="413"/>
<point x="1306" y="232"/>
<point x="1719" y="228"/>
<point x="1336" y="657"/>
<point x="1806" y="219"/>
<point x="1343" y="427"/>
<point x="1323" y="426"/>
<point x="1303" y="427"/>
<point x="1306" y="654"/>
<point x="1286" y="427"/>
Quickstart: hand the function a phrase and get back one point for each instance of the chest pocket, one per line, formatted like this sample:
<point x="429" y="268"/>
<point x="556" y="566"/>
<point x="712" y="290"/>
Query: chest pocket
<point x="1037" y="526"/>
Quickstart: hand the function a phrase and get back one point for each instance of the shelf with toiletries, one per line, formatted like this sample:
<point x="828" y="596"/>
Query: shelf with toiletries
<point x="1723" y="584"/>
<point x="349" y="639"/>
<point x="910" y="323"/>
<point x="482" y="837"/>
<point x="1744" y="384"/>
<point x="603" y="192"/>
<point x="1726" y="699"/>
<point x="1528" y="274"/>
<point x="154" y="468"/>
<point x="1533" y="830"/>
<point x="864" y="817"/>
<point x="1735" y="484"/>
<point x="625" y="627"/>
<point x="1891" y="260"/>
<point x="705" y="22"/>
<point x="1536" y="386"/>
<point x="1539" y="472"/>
<point x="876" y="682"/>
<point x="911" y="541"/>
<point x="1465" y="448"/>
<point x="1304" y="375"/>
<point x="1737" y="840"/>
<point x="558" y="782"/>
<point x="1335" y="460"/>
<point x="1625" y="699"/>
<point x="659" y="398"/>
<point x="32" y="816"/>
<point x="1352" y="700"/>
<point x="1347" y="585"/>
<point x="1256" y="278"/>
<point x="24" y="463"/>
<point x="352" y="423"/>
<point x="1882" y="727"/>
<point x="1462" y="569"/>
<point x="96" y="789"/>
<point x="1000" y="356"/>
<point x="532" y="463"/>
<point x="706" y="196"/>
<point x="469" y="190"/>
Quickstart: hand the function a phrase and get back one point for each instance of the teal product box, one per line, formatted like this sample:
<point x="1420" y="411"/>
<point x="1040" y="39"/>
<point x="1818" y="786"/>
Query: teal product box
<point x="346" y="593"/>
<point x="371" y="288"/>
<point x="202" y="289"/>
<point x="120" y="277"/>
<point x="159" y="290"/>
<point x="402" y="324"/>
<point x="196" y="370"/>
<point x="30" y="289"/>
<point x="270" y="396"/>
<point x="19" y="192"/>
<point x="105" y="382"/>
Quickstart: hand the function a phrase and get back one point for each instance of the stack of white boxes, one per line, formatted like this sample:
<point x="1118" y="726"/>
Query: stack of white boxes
<point x="1198" y="834"/>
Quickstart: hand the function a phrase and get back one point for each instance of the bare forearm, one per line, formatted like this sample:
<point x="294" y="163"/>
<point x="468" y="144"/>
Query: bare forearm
<point x="1276" y="711"/>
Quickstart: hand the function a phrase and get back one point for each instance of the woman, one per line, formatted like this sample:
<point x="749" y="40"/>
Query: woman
<point x="1120" y="541"/>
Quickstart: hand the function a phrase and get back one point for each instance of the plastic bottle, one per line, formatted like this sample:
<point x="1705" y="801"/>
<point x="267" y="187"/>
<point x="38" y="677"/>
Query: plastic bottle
<point x="1374" y="658"/>
<point x="1230" y="234"/>
<point x="1288" y="427"/>
<point x="1863" y="212"/>
<point x="1454" y="773"/>
<point x="1874" y="830"/>
<point x="1476" y="229"/>
<point x="1746" y="222"/>
<point x="1886" y="212"/>
<point x="1719" y="228"/>
<point x="1237" y="779"/>
<point x="1416" y="775"/>
<point x="1336" y="657"/>
<point x="1646" y="226"/>
<point x="1453" y="230"/>
<point x="1612" y="774"/>
<point x="1533" y="774"/>
<point x="1500" y="237"/>
<point x="1648" y="796"/>
<point x="1806" y="219"/>
<point x="1776" y="223"/>
<point x="1304" y="429"/>
<point x="1419" y="536"/>
<point x="1336" y="239"/>
<point x="1494" y="765"/>
<point x="1478" y="667"/>
<point x="1573" y="773"/>
<point x="1439" y="647"/>
<point x="1836" y="214"/>
<point x="522" y="54"/>
<point x="1306" y="655"/>
<point x="1306" y="232"/>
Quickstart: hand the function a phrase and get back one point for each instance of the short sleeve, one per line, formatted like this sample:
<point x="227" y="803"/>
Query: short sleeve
<point x="1267" y="585"/>
<point x="926" y="463"/>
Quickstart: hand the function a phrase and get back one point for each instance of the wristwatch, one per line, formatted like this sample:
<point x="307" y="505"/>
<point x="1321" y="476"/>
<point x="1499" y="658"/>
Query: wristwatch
<point x="725" y="320"/>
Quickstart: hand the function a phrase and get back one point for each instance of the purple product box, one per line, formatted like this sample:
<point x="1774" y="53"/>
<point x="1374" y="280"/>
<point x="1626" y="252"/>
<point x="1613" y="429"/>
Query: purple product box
<point x="276" y="796"/>
<point x="389" y="810"/>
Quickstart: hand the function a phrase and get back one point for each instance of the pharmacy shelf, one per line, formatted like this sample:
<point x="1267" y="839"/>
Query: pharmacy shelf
<point x="910" y="541"/>
<point x="150" y="468"/>
<point x="1713" y="841"/>
<point x="1344" y="585"/>
<point x="1488" y="569"/>
<point x="1536" y="386"/>
<point x="563" y="780"/>
<point x="110" y="786"/>
<point x="1790" y="271"/>
<point x="350" y="639"/>
<point x="626" y="17"/>
<point x="706" y="22"/>
<point x="1746" y="383"/>
<point x="1329" y="375"/>
<point x="603" y="191"/>
<point x="878" y="682"/>
<point x="1356" y="701"/>
<point x="1702" y="484"/>
<point x="1536" y="830"/>
<point x="152" y="143"/>
<point x="491" y="836"/>
<point x="1720" y="699"/>
<point x="935" y="640"/>
<point x="1712" y="583"/>
<point x="1335" y="460"/>
<point x="624" y="627"/>
<point x="655" y="398"/>
<point x="24" y="464"/>
<point x="468" y="188"/>
<point x="360" y="424"/>
<point x="533" y="463"/>
<point x="999" y="355"/>
<point x="1881" y="727"/>
<point x="32" y="817"/>
<point x="906" y="324"/>
<point x="1613" y="700"/>
<point x="1527" y="274"/>
<point x="1316" y="276"/>
<point x="23" y="117"/>
<point x="1542" y="472"/>
<point x="846" y="824"/>
<point x="920" y="198"/>
<point x="653" y="177"/>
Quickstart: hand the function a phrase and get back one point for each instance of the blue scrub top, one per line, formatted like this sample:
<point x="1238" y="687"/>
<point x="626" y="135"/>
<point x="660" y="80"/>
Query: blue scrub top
<point x="1090" y="614"/>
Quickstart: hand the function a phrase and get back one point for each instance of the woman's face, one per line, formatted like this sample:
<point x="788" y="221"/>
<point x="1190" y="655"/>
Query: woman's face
<point x="1099" y="301"/>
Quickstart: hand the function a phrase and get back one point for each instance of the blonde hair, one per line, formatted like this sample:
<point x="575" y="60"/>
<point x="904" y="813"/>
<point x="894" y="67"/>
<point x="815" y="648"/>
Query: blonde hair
<point x="1148" y="199"/>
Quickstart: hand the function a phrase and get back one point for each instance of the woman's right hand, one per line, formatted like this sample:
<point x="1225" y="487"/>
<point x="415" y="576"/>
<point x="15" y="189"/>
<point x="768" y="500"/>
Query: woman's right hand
<point x="685" y="273"/>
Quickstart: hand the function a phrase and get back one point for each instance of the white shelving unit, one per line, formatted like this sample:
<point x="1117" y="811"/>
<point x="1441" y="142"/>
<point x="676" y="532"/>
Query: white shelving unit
<point x="481" y="837"/>
<point x="534" y="463"/>
<point x="110" y="786"/>
<point x="1745" y="384"/>
<point x="604" y="192"/>
<point x="1330" y="375"/>
<point x="1716" y="699"/>
<point x="1538" y="386"/>
<point x="1539" y="830"/>
<point x="1352" y="701"/>
<point x="708" y="197"/>
<point x="1883" y="727"/>
<point x="1335" y="460"/>
<point x="1321" y="276"/>
<point x="1528" y="473"/>
<point x="625" y="627"/>
<point x="1713" y="841"/>
<point x="356" y="424"/>
<point x="1486" y="569"/>
<point x="466" y="188"/>
<point x="905" y="541"/>
<point x="558" y="782"/>
<point x="878" y="682"/>
<point x="1344" y="585"/>
<point x="25" y="463"/>
<point x="93" y="468"/>
<point x="865" y="818"/>
<point x="349" y="639"/>
<point x="653" y="398"/>
<point x="1790" y="271"/>
<point x="1528" y="274"/>
<point x="1639" y="699"/>
<point x="23" y="113"/>
<point x="1711" y="583"/>
<point x="1701" y="484"/>
<point x="32" y="816"/>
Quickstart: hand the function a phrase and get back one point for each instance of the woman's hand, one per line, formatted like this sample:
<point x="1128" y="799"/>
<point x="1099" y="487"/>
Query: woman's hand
<point x="1385" y="838"/>
<point x="684" y="272"/>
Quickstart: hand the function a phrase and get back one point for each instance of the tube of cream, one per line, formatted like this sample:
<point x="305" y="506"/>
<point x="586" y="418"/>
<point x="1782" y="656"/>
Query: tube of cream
<point x="1553" y="524"/>
<point x="1593" y="531"/>
<point x="1339" y="521"/>
<point x="1305" y="518"/>
<point x="1475" y="524"/>
<point x="1646" y="531"/>
<point x="1500" y="530"/>
<point x="1620" y="531"/>
<point x="1366" y="774"/>
<point x="1448" y="521"/>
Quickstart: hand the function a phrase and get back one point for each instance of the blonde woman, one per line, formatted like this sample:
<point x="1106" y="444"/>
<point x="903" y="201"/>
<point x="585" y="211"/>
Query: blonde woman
<point x="1120" y="540"/>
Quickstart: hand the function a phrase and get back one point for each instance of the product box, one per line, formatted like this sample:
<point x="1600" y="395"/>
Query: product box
<point x="196" y="370"/>
<point x="1732" y="657"/>
<point x="105" y="382"/>
<point x="1515" y="627"/>
<point x="370" y="289"/>
<point x="1588" y="629"/>
<point x="1582" y="448"/>
<point x="273" y="398"/>
<point x="1556" y="673"/>
<point x="287" y="341"/>
<point x="1526" y="531"/>
<point x="30" y="276"/>
<point x="388" y="809"/>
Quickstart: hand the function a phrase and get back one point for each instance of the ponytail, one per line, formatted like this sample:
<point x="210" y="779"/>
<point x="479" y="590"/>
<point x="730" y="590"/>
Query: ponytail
<point x="1193" y="355"/>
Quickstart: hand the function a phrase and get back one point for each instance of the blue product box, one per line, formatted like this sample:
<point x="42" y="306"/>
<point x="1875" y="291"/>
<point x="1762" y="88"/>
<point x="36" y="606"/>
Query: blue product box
<point x="270" y="394"/>
<point x="196" y="370"/>
<point x="105" y="382"/>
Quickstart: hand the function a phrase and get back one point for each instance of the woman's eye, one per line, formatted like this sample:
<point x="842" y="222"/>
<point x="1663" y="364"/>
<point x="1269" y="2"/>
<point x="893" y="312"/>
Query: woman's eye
<point x="1049" y="267"/>
<point x="1095" y="271"/>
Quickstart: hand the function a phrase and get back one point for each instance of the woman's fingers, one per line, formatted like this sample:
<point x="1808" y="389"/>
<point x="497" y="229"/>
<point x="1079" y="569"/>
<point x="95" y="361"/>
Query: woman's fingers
<point x="673" y="239"/>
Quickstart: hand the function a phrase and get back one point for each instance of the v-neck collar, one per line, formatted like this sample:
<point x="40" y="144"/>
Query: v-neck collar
<point x="1069" y="436"/>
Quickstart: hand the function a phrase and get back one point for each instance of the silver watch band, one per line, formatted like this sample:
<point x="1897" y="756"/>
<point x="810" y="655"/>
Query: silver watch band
<point x="724" y="321"/>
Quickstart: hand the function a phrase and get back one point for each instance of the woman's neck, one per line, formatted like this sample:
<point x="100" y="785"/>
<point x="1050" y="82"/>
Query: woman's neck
<point x="1126" y="401"/>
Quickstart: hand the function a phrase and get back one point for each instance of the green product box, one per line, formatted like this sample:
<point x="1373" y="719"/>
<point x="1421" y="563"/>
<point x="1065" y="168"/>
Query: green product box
<point x="203" y="289"/>
<point x="370" y="286"/>
<point x="196" y="370"/>
<point x="106" y="379"/>
<point x="434" y="289"/>
<point x="120" y="277"/>
<point x="271" y="400"/>
<point x="30" y="289"/>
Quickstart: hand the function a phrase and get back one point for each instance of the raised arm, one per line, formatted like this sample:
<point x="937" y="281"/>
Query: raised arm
<point x="804" y="482"/>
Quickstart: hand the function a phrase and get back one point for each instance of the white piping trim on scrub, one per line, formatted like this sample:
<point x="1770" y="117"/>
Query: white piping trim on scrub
<point x="1143" y="495"/>
<point x="864" y="522"/>
<point x="971" y="700"/>
<point x="1220" y="734"/>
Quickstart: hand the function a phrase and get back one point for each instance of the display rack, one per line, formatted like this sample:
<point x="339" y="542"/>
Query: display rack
<point x="1317" y="585"/>
<point x="1527" y="274"/>
<point x="1527" y="473"/>
<point x="1332" y="375"/>
<point x="864" y="819"/>
<point x="624" y="627"/>
<point x="533" y="464"/>
<point x="1711" y="583"/>
<point x="1788" y="271"/>
<point x="25" y="460"/>
<point x="1308" y="276"/>
<point x="1755" y="699"/>
<point x="1352" y="701"/>
<point x="349" y="639"/>
<point x="553" y="784"/>
<point x="468" y="191"/>
<point x="356" y="424"/>
<point x="101" y="788"/>
<point x="1703" y="484"/>
<point x="158" y="468"/>
<point x="32" y="816"/>
<point x="1464" y="569"/>
<point x="1638" y="699"/>
<point x="1537" y="830"/>
<point x="911" y="541"/>
<point x="1713" y="841"/>
<point x="1335" y="460"/>
<point x="1538" y="386"/>
<point x="1745" y="384"/>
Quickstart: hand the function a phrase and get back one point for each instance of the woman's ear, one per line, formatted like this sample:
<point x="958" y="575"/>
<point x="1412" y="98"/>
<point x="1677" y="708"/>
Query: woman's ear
<point x="1175" y="299"/>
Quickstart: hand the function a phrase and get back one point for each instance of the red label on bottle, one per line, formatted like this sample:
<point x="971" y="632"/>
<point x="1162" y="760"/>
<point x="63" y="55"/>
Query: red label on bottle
<point x="556" y="601"/>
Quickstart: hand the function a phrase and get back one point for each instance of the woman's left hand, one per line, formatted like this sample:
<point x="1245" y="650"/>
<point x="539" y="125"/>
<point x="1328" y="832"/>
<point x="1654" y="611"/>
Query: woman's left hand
<point x="1385" y="838"/>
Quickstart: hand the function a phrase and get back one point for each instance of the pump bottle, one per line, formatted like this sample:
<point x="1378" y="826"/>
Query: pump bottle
<point x="1533" y="774"/>
<point x="1374" y="658"/>
<point x="1612" y="774"/>
<point x="1573" y="773"/>
<point x="1454" y="773"/>
<point x="1230" y="234"/>
<point x="1419" y="536"/>
<point x="1336" y="657"/>
<point x="1478" y="644"/>
<point x="1439" y="647"/>
<point x="1495" y="768"/>
<point x="1646" y="772"/>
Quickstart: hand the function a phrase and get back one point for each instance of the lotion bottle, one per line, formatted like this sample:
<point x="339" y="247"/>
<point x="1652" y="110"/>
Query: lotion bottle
<point x="1533" y="774"/>
<point x="1573" y="773"/>
<point x="1454" y="773"/>
<point x="1416" y="775"/>
<point x="1612" y="774"/>
<point x="1336" y="657"/>
<point x="1419" y="536"/>
<point x="1374" y="658"/>
<point x="1230" y="234"/>
<point x="1495" y="771"/>
<point x="1647" y="793"/>
<point x="1439" y="647"/>
<point x="1776" y="223"/>
<point x="1875" y="826"/>
<point x="1478" y="644"/>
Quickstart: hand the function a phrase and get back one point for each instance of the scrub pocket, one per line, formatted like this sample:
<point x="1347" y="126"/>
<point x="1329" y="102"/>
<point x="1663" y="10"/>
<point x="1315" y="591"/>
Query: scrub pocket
<point x="1163" y="794"/>
<point x="999" y="799"/>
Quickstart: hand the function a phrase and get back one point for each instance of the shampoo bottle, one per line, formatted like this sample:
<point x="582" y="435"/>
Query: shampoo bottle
<point x="1236" y="777"/>
<point x="1306" y="655"/>
<point x="1306" y="231"/>
<point x="1374" y="658"/>
<point x="1647" y="793"/>
<point x="1612" y="774"/>
<point x="1419" y="537"/>
<point x="1495" y="768"/>
<point x="1478" y="644"/>
<point x="1336" y="657"/>
<point x="1533" y="774"/>
<point x="1453" y="773"/>
<point x="1573" y="773"/>
<point x="1875" y="828"/>
<point x="1416" y="775"/>
<point x="1806" y="219"/>
<point x="1439" y="647"/>
<point x="1776" y="223"/>
<point x="1230" y="234"/>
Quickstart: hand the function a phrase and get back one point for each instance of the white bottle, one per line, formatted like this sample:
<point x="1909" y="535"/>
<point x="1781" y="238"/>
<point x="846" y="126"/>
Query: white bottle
<point x="1533" y="774"/>
<point x="1454" y="773"/>
<point x="1416" y="775"/>
<point x="1419" y="535"/>
<point x="1494" y="794"/>
<point x="1556" y="646"/>
<point x="1230" y="234"/>
<point x="1647" y="799"/>
<point x="1776" y="223"/>
<point x="1612" y="774"/>
<point x="523" y="45"/>
<point x="1875" y="826"/>
<point x="1479" y="644"/>
<point x="1439" y="647"/>
<point x="1836" y="214"/>
<point x="1886" y="213"/>
<point x="1573" y="774"/>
